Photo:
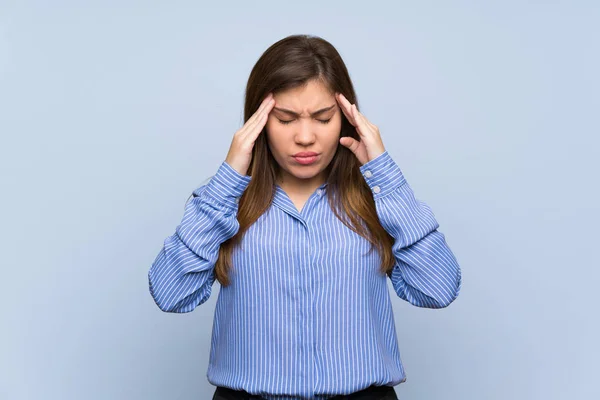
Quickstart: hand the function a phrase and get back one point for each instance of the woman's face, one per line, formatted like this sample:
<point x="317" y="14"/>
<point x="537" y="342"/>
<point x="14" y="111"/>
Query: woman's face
<point x="304" y="119"/>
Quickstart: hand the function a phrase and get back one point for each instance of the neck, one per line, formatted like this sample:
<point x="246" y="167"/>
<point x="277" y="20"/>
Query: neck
<point x="295" y="185"/>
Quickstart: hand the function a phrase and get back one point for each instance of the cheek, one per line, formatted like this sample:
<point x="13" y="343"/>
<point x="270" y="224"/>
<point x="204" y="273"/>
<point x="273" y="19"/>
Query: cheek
<point x="268" y="125"/>
<point x="272" y="127"/>
<point x="274" y="135"/>
<point x="334" y="132"/>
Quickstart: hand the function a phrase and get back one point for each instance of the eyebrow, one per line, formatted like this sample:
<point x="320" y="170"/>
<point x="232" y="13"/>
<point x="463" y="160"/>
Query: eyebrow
<point x="295" y="114"/>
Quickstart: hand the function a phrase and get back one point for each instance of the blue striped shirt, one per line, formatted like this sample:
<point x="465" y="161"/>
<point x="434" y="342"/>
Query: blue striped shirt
<point x="308" y="313"/>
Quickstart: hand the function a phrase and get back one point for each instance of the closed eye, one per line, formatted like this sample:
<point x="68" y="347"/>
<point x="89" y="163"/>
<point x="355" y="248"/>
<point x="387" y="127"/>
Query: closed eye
<point x="285" y="122"/>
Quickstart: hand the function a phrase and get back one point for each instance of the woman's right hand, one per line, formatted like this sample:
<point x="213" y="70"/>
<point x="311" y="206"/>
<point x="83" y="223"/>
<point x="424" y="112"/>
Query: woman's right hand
<point x="240" y="151"/>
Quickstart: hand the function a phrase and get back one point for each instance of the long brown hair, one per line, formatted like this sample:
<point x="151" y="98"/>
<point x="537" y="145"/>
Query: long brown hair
<point x="289" y="63"/>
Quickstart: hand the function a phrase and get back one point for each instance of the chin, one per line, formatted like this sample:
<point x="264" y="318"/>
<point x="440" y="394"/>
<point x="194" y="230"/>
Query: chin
<point x="306" y="173"/>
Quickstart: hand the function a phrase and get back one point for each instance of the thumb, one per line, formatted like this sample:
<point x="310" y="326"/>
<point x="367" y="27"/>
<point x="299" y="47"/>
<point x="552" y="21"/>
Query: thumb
<point x="349" y="142"/>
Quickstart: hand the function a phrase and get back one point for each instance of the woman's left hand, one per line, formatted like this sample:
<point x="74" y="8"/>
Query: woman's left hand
<point x="370" y="145"/>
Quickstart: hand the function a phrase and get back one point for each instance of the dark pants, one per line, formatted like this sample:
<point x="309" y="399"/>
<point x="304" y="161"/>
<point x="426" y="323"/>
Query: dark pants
<point x="370" y="393"/>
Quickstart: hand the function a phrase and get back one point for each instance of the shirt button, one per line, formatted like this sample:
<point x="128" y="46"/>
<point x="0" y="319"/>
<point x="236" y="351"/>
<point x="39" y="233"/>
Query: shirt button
<point x="237" y="199"/>
<point x="377" y="189"/>
<point x="319" y="191"/>
<point x="368" y="174"/>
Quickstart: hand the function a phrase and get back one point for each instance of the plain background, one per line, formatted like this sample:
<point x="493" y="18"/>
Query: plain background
<point x="113" y="112"/>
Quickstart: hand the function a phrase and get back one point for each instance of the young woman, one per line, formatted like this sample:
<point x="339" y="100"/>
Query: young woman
<point x="302" y="224"/>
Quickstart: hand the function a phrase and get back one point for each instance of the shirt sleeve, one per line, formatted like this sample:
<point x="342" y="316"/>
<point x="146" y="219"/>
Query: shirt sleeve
<point x="181" y="276"/>
<point x="426" y="273"/>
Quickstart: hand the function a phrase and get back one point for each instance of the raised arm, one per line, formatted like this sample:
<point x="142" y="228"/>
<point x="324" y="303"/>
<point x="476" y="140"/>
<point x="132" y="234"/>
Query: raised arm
<point x="182" y="275"/>
<point x="426" y="273"/>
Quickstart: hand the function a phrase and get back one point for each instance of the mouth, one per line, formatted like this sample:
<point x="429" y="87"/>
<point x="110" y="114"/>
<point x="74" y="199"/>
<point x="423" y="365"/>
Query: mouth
<point x="306" y="158"/>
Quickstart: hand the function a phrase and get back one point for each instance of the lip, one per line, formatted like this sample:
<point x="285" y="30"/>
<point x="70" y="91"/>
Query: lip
<point x="306" y="160"/>
<point x="305" y="154"/>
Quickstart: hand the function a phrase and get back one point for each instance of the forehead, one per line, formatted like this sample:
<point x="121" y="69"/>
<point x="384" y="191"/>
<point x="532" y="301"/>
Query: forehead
<point x="309" y="97"/>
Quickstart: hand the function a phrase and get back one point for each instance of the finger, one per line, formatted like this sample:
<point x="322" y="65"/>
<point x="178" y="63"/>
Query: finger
<point x="259" y="118"/>
<point x="350" y="143"/>
<point x="258" y="112"/>
<point x="263" y="105"/>
<point x="346" y="108"/>
<point x="365" y="120"/>
<point x="361" y="126"/>
<point x="257" y="127"/>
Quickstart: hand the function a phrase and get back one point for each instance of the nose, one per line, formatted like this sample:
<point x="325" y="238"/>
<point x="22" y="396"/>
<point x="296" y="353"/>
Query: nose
<point x="304" y="136"/>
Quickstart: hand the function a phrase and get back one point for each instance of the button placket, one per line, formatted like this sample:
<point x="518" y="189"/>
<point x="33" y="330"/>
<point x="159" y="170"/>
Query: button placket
<point x="310" y="285"/>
